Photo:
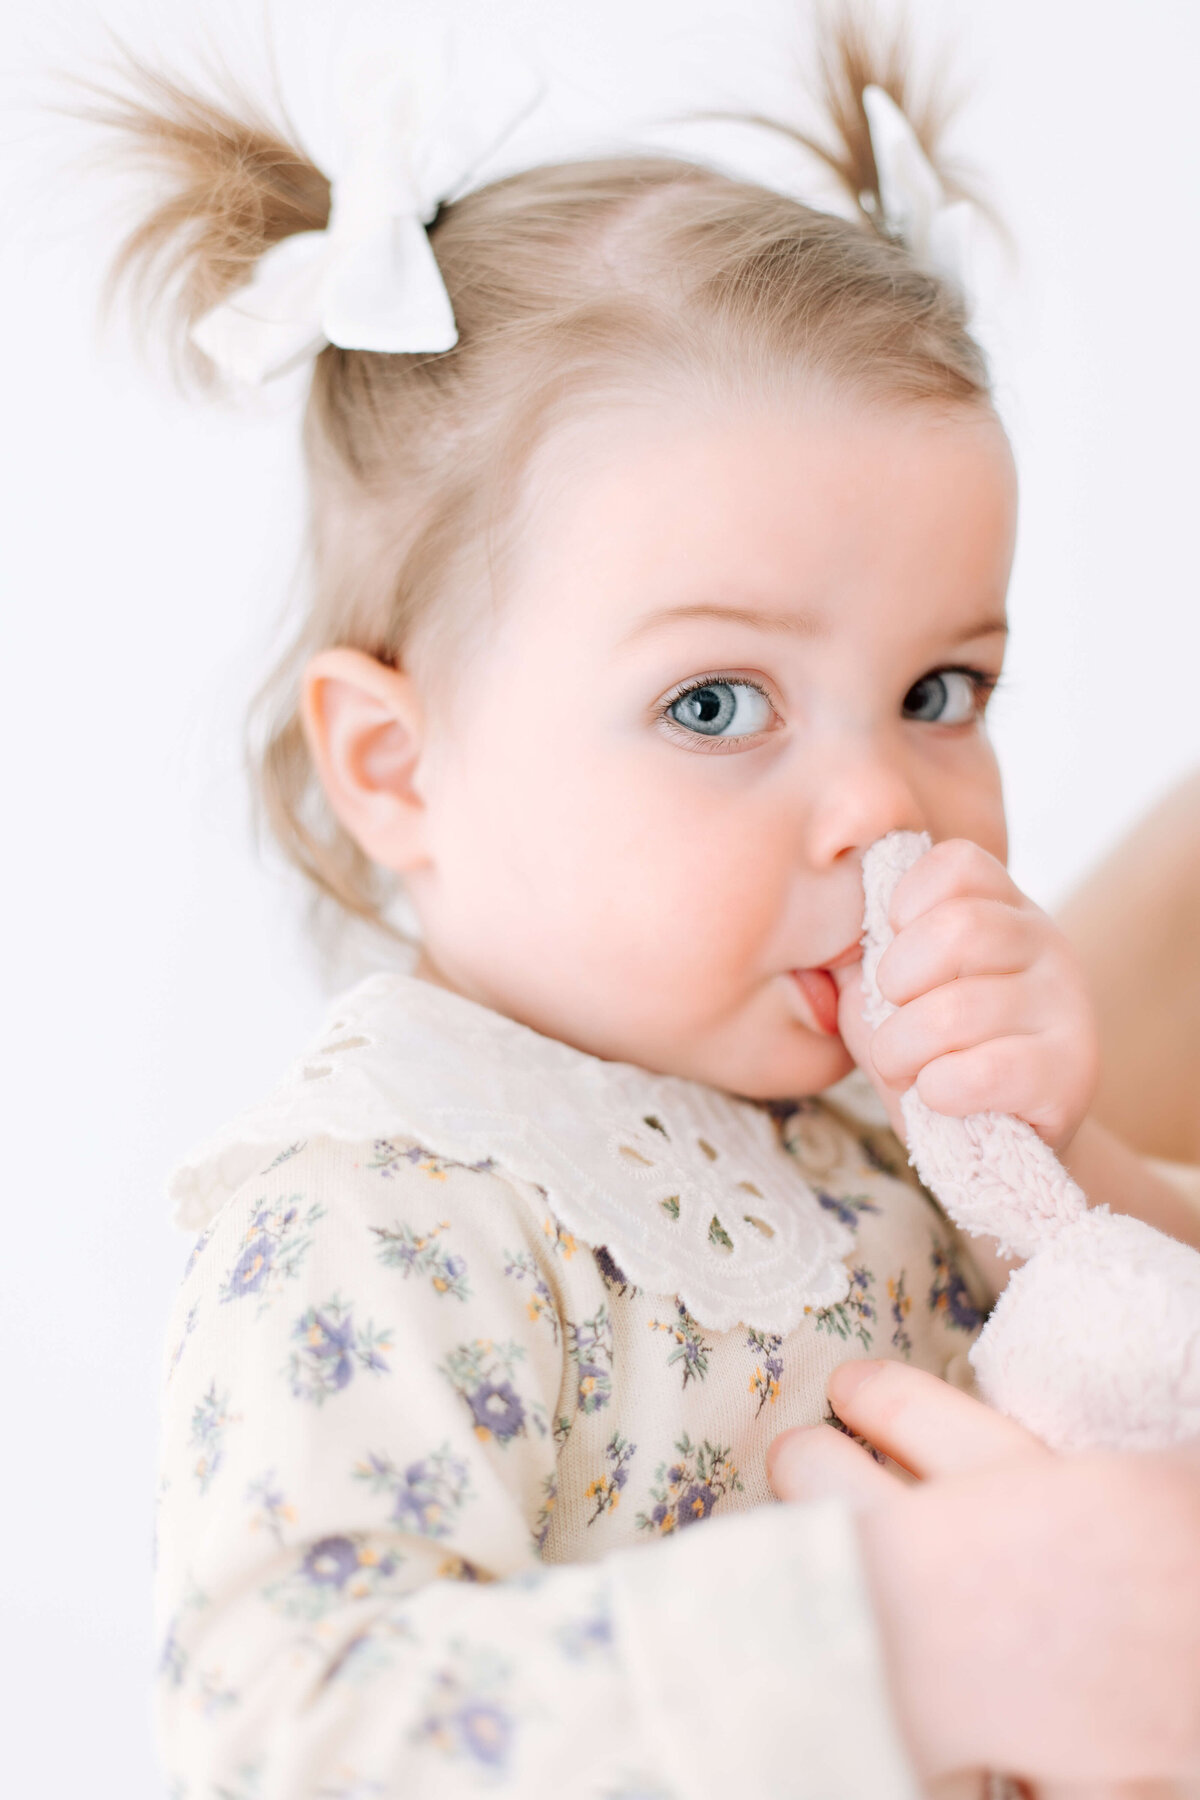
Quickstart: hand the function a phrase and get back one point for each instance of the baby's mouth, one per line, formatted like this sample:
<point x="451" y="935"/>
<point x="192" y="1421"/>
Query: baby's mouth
<point x="820" y="989"/>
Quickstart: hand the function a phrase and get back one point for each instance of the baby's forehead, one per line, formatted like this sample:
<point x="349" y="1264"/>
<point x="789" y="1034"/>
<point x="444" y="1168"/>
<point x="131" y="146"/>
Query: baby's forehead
<point x="792" y="520"/>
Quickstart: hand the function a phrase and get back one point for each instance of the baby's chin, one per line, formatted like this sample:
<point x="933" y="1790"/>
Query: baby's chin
<point x="801" y="1070"/>
<point x="756" y="1048"/>
<point x="772" y="1059"/>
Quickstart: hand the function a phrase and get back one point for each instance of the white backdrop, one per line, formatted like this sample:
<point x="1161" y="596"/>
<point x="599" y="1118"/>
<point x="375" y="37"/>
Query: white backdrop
<point x="155" y="971"/>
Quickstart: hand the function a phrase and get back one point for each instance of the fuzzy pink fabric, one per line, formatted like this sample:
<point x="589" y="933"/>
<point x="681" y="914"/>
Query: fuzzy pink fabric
<point x="1095" y="1341"/>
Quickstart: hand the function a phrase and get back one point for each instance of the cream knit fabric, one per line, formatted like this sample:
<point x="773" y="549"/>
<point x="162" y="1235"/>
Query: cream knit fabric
<point x="450" y="1379"/>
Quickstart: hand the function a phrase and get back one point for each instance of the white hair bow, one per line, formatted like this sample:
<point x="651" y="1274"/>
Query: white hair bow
<point x="936" y="231"/>
<point x="415" y="135"/>
<point x="419" y="124"/>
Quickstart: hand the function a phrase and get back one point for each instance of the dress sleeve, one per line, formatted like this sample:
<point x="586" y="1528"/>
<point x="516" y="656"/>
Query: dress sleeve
<point x="361" y="1421"/>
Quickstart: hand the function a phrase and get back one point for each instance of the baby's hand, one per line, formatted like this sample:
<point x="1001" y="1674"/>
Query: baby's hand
<point x="994" y="1013"/>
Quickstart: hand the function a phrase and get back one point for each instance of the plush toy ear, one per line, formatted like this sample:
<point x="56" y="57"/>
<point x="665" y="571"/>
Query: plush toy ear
<point x="1095" y="1342"/>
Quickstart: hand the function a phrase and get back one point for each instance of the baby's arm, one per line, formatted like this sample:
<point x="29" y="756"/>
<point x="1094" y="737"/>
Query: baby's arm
<point x="1042" y="1613"/>
<point x="362" y="1416"/>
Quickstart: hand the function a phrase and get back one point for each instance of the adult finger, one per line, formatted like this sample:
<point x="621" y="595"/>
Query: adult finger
<point x="817" y="1462"/>
<point x="924" y="1424"/>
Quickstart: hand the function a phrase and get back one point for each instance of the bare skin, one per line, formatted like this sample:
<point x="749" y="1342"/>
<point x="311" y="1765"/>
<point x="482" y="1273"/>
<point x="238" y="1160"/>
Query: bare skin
<point x="1135" y="924"/>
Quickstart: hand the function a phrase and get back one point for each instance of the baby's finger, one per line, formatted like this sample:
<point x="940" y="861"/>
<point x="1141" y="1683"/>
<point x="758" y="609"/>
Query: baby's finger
<point x="856" y="1034"/>
<point x="952" y="870"/>
<point x="1006" y="1076"/>
<point x="959" y="1016"/>
<point x="817" y="1462"/>
<point x="957" y="938"/>
<point x="924" y="1424"/>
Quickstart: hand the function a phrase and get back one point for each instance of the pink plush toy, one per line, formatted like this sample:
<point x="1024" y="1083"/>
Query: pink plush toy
<point x="1095" y="1340"/>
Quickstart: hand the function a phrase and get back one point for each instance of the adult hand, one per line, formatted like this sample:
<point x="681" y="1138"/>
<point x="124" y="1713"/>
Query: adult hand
<point x="1040" y="1614"/>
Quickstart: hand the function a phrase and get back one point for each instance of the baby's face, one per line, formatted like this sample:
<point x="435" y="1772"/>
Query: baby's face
<point x="732" y="653"/>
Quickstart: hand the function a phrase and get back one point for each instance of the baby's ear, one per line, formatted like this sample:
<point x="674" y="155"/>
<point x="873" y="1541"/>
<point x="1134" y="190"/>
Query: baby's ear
<point x="365" y="727"/>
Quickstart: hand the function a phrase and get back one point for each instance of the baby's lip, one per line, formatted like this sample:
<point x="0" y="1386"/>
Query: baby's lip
<point x="851" y="954"/>
<point x="843" y="960"/>
<point x="822" y="983"/>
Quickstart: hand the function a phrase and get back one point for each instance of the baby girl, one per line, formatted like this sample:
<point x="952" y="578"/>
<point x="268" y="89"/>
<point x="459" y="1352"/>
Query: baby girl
<point x="661" y="532"/>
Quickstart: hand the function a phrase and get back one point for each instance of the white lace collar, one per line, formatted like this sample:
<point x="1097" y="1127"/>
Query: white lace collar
<point x="640" y="1163"/>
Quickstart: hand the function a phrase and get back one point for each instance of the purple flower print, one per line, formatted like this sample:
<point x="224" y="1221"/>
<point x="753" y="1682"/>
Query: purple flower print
<point x="197" y="1250"/>
<point x="949" y="1295"/>
<point x="330" y="1348"/>
<point x="389" y="1155"/>
<point x="333" y="1571"/>
<point x="686" y="1491"/>
<point x="692" y="1348"/>
<point x="855" y="1315"/>
<point x="541" y="1525"/>
<point x="591" y="1347"/>
<point x="274" y="1245"/>
<point x="331" y="1562"/>
<point x="696" y="1503"/>
<point x="848" y="1209"/>
<point x="252" y="1267"/>
<point x="427" y="1494"/>
<point x="422" y="1253"/>
<point x="520" y="1266"/>
<point x="480" y="1373"/>
<point x="334" y="1347"/>
<point x="485" y="1732"/>
<point x="466" y="1716"/>
<point x="612" y="1274"/>
<point x="211" y="1419"/>
<point x="497" y="1410"/>
<point x="589" y="1634"/>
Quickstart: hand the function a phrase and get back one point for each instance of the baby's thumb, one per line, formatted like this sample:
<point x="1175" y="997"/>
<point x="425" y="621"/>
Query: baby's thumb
<point x="856" y="1034"/>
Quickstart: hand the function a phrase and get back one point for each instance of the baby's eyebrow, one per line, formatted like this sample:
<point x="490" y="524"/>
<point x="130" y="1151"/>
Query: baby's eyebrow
<point x="994" y="625"/>
<point x="796" y="624"/>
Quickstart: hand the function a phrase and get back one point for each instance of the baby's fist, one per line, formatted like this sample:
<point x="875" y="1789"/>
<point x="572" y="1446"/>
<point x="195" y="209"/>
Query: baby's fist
<point x="993" y="1012"/>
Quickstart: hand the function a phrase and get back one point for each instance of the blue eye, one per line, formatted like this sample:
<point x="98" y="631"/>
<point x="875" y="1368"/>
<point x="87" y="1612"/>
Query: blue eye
<point x="722" y="709"/>
<point x="948" y="697"/>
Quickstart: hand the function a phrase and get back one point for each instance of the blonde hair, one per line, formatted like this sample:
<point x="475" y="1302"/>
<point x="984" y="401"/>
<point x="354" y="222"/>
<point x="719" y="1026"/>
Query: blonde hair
<point x="568" y="282"/>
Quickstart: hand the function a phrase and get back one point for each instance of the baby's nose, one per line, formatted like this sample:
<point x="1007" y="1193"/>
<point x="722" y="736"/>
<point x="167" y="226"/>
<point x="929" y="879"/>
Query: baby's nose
<point x="863" y="794"/>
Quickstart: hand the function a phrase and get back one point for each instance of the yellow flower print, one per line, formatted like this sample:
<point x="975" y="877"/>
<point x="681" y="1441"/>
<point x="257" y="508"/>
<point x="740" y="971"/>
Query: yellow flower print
<point x="688" y="1489"/>
<point x="562" y="1242"/>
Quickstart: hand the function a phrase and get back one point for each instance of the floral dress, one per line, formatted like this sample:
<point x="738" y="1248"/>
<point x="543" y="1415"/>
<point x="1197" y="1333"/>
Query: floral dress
<point x="477" y="1329"/>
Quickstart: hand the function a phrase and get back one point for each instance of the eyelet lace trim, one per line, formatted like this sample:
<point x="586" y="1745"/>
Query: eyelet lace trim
<point x="689" y="1189"/>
